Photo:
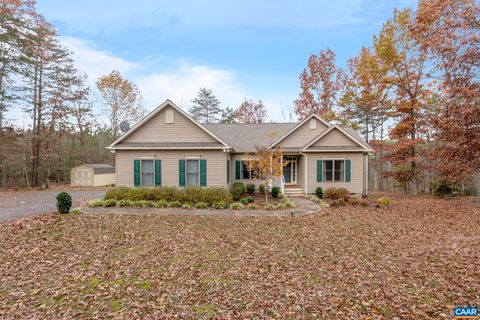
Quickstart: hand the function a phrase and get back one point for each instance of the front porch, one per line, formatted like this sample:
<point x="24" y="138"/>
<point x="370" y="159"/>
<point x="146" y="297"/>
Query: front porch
<point x="294" y="174"/>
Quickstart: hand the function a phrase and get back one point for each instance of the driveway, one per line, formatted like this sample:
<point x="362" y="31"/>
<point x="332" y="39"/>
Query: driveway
<point x="17" y="204"/>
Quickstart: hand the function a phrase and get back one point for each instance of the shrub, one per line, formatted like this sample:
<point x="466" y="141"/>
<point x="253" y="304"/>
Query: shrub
<point x="64" y="202"/>
<point x="261" y="188"/>
<point x="124" y="203"/>
<point x="444" y="189"/>
<point x="95" y="203"/>
<point x="287" y="203"/>
<point x="174" y="204"/>
<point x="383" y="201"/>
<point x="280" y="206"/>
<point x="220" y="205"/>
<point x="187" y="206"/>
<point x="364" y="203"/>
<point x="160" y="204"/>
<point x="201" y="205"/>
<point x="236" y="206"/>
<point x="276" y="192"/>
<point x="145" y="203"/>
<point x="353" y="201"/>
<point x="252" y="206"/>
<point x="109" y="203"/>
<point x="324" y="204"/>
<point x="335" y="193"/>
<point x="250" y="188"/>
<point x="237" y="190"/>
<point x="319" y="192"/>
<point x="269" y="206"/>
<point x="244" y="201"/>
<point x="76" y="211"/>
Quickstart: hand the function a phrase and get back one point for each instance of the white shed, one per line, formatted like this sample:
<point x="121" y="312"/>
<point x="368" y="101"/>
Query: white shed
<point x="93" y="175"/>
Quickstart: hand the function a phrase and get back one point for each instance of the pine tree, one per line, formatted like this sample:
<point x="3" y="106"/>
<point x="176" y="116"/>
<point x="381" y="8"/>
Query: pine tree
<point x="205" y="107"/>
<point x="228" y="116"/>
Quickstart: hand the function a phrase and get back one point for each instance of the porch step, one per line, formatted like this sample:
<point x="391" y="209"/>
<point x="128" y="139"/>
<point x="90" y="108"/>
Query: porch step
<point x="294" y="191"/>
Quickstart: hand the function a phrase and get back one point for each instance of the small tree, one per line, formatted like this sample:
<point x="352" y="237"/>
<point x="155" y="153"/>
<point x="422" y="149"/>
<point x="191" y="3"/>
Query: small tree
<point x="251" y="112"/>
<point x="266" y="164"/>
<point x="206" y="107"/>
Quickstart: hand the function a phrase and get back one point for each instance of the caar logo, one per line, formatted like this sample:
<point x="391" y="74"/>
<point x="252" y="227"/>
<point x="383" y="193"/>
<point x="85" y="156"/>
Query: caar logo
<point x="465" y="312"/>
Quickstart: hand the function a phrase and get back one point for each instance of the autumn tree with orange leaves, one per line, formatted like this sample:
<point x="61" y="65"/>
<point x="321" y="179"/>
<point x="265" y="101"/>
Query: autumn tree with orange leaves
<point x="320" y="84"/>
<point x="251" y="112"/>
<point x="449" y="32"/>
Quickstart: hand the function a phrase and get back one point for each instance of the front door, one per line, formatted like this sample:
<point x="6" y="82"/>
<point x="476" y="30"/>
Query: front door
<point x="290" y="170"/>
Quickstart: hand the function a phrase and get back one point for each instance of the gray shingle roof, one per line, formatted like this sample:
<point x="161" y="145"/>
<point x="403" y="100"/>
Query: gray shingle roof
<point x="169" y="145"/>
<point x="244" y="137"/>
<point x="336" y="148"/>
<point x="101" y="168"/>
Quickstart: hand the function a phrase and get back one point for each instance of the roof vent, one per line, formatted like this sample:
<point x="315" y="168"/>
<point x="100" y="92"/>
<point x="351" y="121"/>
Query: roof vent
<point x="313" y="124"/>
<point x="169" y="116"/>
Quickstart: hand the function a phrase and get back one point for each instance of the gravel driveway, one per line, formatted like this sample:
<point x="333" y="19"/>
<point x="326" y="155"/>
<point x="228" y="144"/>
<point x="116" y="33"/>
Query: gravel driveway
<point x="17" y="204"/>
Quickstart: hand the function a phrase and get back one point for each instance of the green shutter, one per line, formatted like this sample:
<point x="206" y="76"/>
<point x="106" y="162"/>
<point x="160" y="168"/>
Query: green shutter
<point x="237" y="169"/>
<point x="136" y="173"/>
<point x="347" y="170"/>
<point x="228" y="170"/>
<point x="203" y="172"/>
<point x="158" y="172"/>
<point x="181" y="173"/>
<point x="319" y="170"/>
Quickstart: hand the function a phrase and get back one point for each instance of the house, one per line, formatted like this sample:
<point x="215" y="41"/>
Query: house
<point x="170" y="148"/>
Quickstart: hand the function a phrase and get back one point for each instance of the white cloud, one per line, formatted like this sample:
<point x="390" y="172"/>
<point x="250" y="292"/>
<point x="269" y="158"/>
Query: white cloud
<point x="96" y="62"/>
<point x="181" y="83"/>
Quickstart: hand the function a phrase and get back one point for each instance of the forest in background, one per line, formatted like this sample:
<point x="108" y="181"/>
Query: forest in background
<point x="413" y="94"/>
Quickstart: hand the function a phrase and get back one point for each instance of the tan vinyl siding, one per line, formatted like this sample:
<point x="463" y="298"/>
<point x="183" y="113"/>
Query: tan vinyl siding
<point x="216" y="165"/>
<point x="356" y="184"/>
<point x="335" y="138"/>
<point x="302" y="135"/>
<point x="240" y="156"/>
<point x="301" y="170"/>
<point x="157" y="130"/>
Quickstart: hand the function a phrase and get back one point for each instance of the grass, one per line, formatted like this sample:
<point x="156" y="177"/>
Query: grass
<point x="414" y="259"/>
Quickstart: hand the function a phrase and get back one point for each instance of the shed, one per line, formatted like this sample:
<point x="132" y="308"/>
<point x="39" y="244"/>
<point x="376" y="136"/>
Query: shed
<point x="93" y="175"/>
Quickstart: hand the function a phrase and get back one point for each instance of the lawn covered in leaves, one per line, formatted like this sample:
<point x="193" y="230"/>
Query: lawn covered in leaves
<point x="415" y="259"/>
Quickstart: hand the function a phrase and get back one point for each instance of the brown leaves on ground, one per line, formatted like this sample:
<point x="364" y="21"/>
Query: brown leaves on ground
<point x="415" y="259"/>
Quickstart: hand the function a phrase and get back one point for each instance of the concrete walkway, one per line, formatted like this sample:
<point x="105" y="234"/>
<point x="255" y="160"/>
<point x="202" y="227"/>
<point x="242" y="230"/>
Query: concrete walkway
<point x="302" y="206"/>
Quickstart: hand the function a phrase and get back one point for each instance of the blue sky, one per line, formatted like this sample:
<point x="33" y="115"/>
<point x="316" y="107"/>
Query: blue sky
<point x="240" y="49"/>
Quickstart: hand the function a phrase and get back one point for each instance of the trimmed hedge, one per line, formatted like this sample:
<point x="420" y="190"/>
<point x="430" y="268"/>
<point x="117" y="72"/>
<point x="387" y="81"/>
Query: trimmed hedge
<point x="336" y="193"/>
<point x="237" y="190"/>
<point x="189" y="194"/>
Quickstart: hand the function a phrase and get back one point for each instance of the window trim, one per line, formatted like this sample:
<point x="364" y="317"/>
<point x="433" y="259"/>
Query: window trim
<point x="186" y="170"/>
<point x="141" y="171"/>
<point x="250" y="170"/>
<point x="333" y="170"/>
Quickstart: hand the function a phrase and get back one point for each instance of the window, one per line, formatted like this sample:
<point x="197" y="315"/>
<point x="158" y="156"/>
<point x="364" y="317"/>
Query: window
<point x="334" y="170"/>
<point x="246" y="171"/>
<point x="147" y="173"/>
<point x="313" y="123"/>
<point x="193" y="172"/>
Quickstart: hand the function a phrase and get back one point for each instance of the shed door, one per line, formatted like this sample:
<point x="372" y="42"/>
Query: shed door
<point x="83" y="178"/>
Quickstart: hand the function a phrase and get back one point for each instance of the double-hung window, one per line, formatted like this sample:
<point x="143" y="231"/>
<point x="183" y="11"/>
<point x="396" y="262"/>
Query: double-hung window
<point x="193" y="172"/>
<point x="334" y="170"/>
<point x="147" y="171"/>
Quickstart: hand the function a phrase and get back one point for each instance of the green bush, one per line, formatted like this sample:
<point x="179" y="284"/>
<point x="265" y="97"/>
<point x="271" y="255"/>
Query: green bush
<point x="319" y="192"/>
<point x="261" y="188"/>
<point x="96" y="203"/>
<point x="237" y="190"/>
<point x="76" y="211"/>
<point x="383" y="201"/>
<point x="187" y="206"/>
<point x="269" y="206"/>
<point x="250" y="188"/>
<point x="244" y="201"/>
<point x="201" y="205"/>
<point x="109" y="203"/>
<point x="335" y="193"/>
<point x="160" y="204"/>
<point x="280" y="206"/>
<point x="236" y="206"/>
<point x="252" y="206"/>
<point x="124" y="203"/>
<point x="276" y="192"/>
<point x="64" y="202"/>
<point x="219" y="205"/>
<point x="189" y="194"/>
<point x="174" y="204"/>
<point x="445" y="189"/>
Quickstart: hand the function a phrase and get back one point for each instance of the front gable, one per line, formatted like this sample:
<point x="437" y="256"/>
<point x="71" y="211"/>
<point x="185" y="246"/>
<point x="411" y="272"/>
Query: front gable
<point x="335" y="138"/>
<point x="303" y="132"/>
<point x="177" y="128"/>
<point x="168" y="124"/>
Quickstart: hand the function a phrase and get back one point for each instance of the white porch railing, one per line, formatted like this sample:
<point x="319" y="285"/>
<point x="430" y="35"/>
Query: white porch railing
<point x="282" y="184"/>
